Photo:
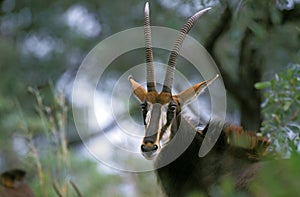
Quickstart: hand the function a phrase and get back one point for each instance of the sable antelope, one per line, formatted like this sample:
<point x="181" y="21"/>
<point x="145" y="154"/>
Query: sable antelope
<point x="235" y="152"/>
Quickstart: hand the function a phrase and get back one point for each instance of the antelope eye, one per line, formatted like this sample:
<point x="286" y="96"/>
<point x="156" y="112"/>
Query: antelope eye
<point x="144" y="106"/>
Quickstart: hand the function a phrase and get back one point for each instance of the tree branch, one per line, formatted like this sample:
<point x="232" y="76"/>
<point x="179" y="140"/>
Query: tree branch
<point x="221" y="27"/>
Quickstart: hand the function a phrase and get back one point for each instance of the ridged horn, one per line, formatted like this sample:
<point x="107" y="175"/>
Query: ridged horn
<point x="148" y="51"/>
<point x="167" y="86"/>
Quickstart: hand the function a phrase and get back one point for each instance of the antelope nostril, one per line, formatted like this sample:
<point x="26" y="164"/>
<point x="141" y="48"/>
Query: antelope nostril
<point x="145" y="148"/>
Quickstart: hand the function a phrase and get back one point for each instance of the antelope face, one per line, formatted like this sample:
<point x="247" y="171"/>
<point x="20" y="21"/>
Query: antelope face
<point x="159" y="113"/>
<point x="159" y="110"/>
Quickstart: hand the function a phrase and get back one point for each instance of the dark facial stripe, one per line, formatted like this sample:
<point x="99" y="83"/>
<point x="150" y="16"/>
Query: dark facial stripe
<point x="144" y="106"/>
<point x="170" y="117"/>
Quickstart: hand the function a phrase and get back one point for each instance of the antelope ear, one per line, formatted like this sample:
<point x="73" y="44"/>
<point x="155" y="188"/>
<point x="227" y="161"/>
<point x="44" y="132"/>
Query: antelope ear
<point x="138" y="89"/>
<point x="192" y="92"/>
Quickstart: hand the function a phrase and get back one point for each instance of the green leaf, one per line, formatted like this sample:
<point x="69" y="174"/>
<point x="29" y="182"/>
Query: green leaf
<point x="294" y="81"/>
<point x="262" y="85"/>
<point x="287" y="106"/>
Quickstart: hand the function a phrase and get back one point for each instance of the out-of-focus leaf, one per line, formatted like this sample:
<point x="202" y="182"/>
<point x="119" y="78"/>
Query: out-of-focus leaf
<point x="262" y="85"/>
<point x="287" y="106"/>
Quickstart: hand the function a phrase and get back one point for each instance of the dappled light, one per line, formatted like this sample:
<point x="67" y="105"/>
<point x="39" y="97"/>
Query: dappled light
<point x="80" y="20"/>
<point x="40" y="46"/>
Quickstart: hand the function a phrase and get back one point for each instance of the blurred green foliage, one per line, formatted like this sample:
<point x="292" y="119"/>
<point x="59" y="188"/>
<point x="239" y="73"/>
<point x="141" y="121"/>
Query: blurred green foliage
<point x="279" y="177"/>
<point x="52" y="162"/>
<point x="281" y="110"/>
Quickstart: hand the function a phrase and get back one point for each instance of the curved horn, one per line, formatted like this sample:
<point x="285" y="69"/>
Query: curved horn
<point x="167" y="86"/>
<point x="148" y="50"/>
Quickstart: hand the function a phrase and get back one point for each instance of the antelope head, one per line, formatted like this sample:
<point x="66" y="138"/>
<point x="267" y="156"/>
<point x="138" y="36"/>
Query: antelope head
<point x="160" y="110"/>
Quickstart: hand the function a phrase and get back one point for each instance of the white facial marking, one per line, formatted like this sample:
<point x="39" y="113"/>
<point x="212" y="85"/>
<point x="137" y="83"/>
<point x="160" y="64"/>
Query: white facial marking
<point x="156" y="118"/>
<point x="148" y="116"/>
<point x="153" y="124"/>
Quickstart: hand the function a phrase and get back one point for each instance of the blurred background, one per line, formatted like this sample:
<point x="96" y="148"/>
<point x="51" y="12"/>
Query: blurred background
<point x="42" y="44"/>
